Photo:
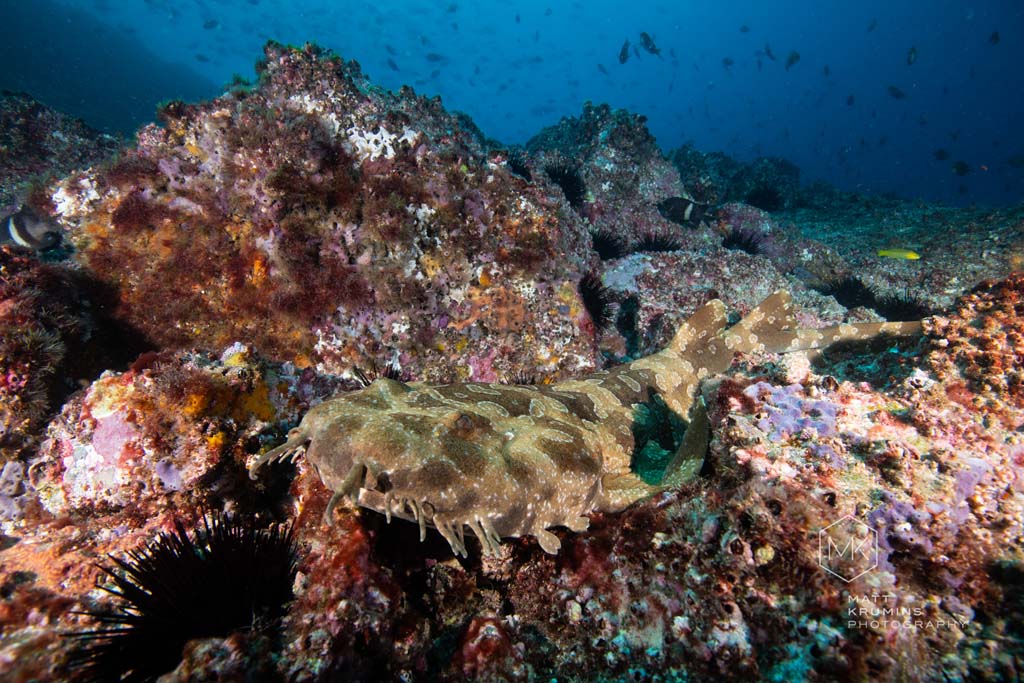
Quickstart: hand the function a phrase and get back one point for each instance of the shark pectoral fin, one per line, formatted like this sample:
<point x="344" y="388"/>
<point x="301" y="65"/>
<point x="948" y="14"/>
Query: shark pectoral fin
<point x="619" y="491"/>
<point x="689" y="457"/>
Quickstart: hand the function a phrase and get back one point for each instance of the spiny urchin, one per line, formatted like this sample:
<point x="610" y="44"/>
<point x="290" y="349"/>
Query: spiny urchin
<point x="389" y="371"/>
<point x="658" y="242"/>
<point x="849" y="291"/>
<point x="230" y="575"/>
<point x="744" y="239"/>
<point x="902" y="306"/>
<point x="569" y="179"/>
<point x="597" y="300"/>
<point x="608" y="245"/>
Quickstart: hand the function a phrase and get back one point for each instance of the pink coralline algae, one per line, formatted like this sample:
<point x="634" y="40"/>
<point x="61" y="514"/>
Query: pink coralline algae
<point x="326" y="222"/>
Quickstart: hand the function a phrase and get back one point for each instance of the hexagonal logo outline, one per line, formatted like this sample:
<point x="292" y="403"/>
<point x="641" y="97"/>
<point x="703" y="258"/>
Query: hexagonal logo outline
<point x="824" y="534"/>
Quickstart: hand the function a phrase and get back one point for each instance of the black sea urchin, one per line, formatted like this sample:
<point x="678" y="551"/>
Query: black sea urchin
<point x="230" y="575"/>
<point x="390" y="371"/>
<point x="744" y="239"/>
<point x="607" y="245"/>
<point x="569" y="179"/>
<point x="658" y="242"/>
<point x="901" y="306"/>
<point x="596" y="299"/>
<point x="849" y="291"/>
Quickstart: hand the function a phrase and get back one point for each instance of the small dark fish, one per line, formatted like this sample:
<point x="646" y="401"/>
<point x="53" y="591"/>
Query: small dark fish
<point x="391" y="50"/>
<point x="727" y="62"/>
<point x="955" y="134"/>
<point x="792" y="59"/>
<point x="202" y="58"/>
<point x="211" y="24"/>
<point x="453" y="8"/>
<point x="872" y="25"/>
<point x="882" y="140"/>
<point x="961" y="168"/>
<point x="994" y="38"/>
<point x="424" y="41"/>
<point x="826" y="71"/>
<point x="435" y="57"/>
<point x="895" y="92"/>
<point x="922" y="121"/>
<point x="648" y="44"/>
<point x="392" y="65"/>
<point x="744" y="29"/>
<point x="940" y="154"/>
<point x="1016" y="161"/>
<point x="547" y="12"/>
<point x="600" y="67"/>
<point x="768" y="52"/>
<point x="624" y="52"/>
<point x="911" y="56"/>
<point x="435" y="73"/>
<point x="519" y="19"/>
<point x="28" y="229"/>
<point x="850" y="100"/>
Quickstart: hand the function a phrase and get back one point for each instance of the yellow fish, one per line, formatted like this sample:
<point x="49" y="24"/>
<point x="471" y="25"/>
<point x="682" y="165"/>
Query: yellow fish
<point x="906" y="254"/>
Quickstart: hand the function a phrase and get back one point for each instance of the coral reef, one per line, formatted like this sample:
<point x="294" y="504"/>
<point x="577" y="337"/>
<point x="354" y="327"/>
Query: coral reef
<point x="859" y="514"/>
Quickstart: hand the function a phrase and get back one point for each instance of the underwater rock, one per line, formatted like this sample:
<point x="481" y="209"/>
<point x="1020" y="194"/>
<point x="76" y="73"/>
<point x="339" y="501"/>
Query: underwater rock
<point x="332" y="224"/>
<point x="40" y="142"/>
<point x="612" y="173"/>
<point x="768" y="183"/>
<point x="170" y="431"/>
<point x="47" y="342"/>
<point x="981" y="344"/>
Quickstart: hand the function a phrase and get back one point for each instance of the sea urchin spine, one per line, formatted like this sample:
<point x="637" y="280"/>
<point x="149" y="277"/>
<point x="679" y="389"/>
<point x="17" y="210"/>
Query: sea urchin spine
<point x="230" y="575"/>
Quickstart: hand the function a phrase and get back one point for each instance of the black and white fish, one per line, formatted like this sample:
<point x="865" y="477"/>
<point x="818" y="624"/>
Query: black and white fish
<point x="28" y="229"/>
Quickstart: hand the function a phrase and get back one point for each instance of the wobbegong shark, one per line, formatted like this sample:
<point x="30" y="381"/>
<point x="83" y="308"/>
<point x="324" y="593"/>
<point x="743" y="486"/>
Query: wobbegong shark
<point x="516" y="460"/>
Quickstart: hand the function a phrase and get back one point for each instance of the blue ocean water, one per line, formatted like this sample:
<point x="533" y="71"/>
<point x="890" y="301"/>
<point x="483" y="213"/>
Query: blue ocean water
<point x="919" y="98"/>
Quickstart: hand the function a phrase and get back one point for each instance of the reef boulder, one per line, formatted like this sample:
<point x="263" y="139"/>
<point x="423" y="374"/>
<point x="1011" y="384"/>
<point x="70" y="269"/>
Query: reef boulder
<point x="327" y="222"/>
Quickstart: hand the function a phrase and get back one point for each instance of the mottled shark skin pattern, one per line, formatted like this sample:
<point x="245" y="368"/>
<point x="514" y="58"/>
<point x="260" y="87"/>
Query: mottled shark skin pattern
<point x="516" y="460"/>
